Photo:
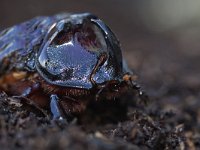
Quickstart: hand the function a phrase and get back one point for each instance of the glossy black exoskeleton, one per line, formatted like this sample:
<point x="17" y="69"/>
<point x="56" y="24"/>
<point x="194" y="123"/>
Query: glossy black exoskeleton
<point x="63" y="62"/>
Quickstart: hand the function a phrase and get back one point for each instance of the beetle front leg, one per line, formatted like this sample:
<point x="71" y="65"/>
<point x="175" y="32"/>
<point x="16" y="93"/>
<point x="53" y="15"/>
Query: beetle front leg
<point x="130" y="80"/>
<point x="55" y="107"/>
<point x="65" y="108"/>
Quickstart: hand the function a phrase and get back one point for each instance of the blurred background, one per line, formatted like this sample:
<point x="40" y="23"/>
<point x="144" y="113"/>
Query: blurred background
<point x="160" y="39"/>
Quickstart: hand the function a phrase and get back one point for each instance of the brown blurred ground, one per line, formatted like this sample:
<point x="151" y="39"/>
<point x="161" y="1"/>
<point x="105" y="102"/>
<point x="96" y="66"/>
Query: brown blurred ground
<point x="167" y="61"/>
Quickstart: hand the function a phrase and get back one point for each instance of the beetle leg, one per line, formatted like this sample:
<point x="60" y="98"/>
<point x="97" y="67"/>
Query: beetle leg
<point x="108" y="91"/>
<point x="102" y="59"/>
<point x="73" y="106"/>
<point x="99" y="93"/>
<point x="55" y="107"/>
<point x="65" y="107"/>
<point x="130" y="79"/>
<point x="28" y="103"/>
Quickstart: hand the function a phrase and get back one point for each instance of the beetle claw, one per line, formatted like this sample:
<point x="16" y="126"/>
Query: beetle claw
<point x="142" y="95"/>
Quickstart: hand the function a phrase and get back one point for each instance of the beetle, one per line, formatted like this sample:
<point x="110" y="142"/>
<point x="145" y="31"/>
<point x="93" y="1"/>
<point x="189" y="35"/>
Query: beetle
<point x="63" y="62"/>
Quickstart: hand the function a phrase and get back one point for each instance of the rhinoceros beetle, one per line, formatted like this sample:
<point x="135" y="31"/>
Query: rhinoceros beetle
<point x="63" y="62"/>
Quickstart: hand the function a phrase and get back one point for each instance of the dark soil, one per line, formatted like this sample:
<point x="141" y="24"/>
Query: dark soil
<point x="168" y="69"/>
<point x="98" y="128"/>
<point x="170" y="120"/>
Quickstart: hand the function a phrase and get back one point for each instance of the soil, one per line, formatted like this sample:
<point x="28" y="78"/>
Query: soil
<point x="168" y="69"/>
<point x="170" y="120"/>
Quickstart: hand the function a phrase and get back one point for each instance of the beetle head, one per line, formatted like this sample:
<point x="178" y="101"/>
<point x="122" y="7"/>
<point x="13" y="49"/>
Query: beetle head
<point x="71" y="54"/>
